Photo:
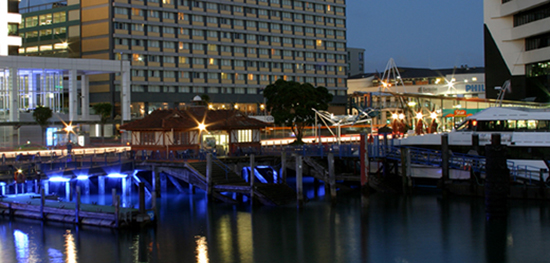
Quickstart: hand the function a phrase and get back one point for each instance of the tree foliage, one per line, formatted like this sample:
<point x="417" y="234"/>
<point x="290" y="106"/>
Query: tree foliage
<point x="103" y="110"/>
<point x="41" y="115"/>
<point x="291" y="104"/>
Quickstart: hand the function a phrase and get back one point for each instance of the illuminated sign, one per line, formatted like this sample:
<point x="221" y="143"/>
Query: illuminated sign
<point x="475" y="88"/>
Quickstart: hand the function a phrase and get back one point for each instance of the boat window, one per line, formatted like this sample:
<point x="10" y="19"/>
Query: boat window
<point x="511" y="125"/>
<point x="502" y="125"/>
<point x="532" y="125"/>
<point x="542" y="125"/>
<point x="522" y="125"/>
<point x="463" y="126"/>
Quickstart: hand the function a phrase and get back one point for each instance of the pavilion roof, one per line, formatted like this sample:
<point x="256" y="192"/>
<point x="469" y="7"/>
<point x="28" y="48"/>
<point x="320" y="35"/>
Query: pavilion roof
<point x="189" y="119"/>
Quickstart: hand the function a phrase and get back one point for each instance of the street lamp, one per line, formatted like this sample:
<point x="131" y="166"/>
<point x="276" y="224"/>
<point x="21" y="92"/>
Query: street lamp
<point x="121" y="99"/>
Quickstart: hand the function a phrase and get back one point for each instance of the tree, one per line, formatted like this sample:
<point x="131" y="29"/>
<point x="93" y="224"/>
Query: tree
<point x="104" y="111"/>
<point x="291" y="104"/>
<point x="41" y="115"/>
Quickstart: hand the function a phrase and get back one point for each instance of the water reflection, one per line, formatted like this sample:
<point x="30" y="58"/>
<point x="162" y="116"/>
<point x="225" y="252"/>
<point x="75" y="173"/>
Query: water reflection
<point x="70" y="247"/>
<point x="202" y="249"/>
<point x="378" y="228"/>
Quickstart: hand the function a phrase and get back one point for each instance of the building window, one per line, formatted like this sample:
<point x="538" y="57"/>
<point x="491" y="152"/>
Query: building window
<point x="147" y="138"/>
<point x="59" y="17"/>
<point x="536" y="42"/>
<point x="244" y="135"/>
<point x="538" y="69"/>
<point x="532" y="15"/>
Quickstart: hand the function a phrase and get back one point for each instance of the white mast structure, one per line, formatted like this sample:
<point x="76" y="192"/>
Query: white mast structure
<point x="392" y="73"/>
<point x="341" y="120"/>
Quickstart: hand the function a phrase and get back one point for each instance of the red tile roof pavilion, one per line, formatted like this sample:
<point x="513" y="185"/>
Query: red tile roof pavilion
<point x="190" y="118"/>
<point x="187" y="120"/>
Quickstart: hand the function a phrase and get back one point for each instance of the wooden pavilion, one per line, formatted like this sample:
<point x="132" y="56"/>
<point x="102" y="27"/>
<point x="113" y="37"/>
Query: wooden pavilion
<point x="227" y="132"/>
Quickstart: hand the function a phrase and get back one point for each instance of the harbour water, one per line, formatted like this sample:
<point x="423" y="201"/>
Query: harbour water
<point x="379" y="228"/>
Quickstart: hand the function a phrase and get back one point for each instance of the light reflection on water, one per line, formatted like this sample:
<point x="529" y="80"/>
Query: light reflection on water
<point x="202" y="249"/>
<point x="380" y="228"/>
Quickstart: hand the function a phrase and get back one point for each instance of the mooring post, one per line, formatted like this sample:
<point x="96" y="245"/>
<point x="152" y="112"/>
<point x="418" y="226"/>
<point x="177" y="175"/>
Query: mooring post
<point x="332" y="176"/>
<point x="444" y="161"/>
<point x="405" y="169"/>
<point x="42" y="203"/>
<point x="497" y="179"/>
<point x="282" y="174"/>
<point x="77" y="206"/>
<point x="299" y="182"/>
<point x="209" y="181"/>
<point x="252" y="177"/>
<point x="142" y="197"/>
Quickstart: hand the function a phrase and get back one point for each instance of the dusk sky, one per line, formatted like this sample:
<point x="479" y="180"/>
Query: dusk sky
<point x="424" y="34"/>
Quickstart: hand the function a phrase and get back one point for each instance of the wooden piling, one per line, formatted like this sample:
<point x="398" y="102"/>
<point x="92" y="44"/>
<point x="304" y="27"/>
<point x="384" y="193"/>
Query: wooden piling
<point x="299" y="182"/>
<point x="163" y="183"/>
<point x="77" y="206"/>
<point x="497" y="179"/>
<point x="156" y="181"/>
<point x="101" y="184"/>
<point x="444" y="161"/>
<point x="475" y="142"/>
<point x="332" y="176"/>
<point x="113" y="195"/>
<point x="406" y="169"/>
<point x="282" y="176"/>
<point x="142" y="198"/>
<point x="364" y="163"/>
<point x="117" y="211"/>
<point x="42" y="203"/>
<point x="252" y="177"/>
<point x="209" y="181"/>
<point x="542" y="183"/>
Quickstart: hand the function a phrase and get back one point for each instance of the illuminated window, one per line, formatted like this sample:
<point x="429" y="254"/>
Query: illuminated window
<point x="244" y="135"/>
<point x="319" y="43"/>
<point x="45" y="47"/>
<point x="62" y="46"/>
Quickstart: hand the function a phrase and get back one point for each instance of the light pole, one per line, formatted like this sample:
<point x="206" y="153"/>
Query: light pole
<point x="121" y="100"/>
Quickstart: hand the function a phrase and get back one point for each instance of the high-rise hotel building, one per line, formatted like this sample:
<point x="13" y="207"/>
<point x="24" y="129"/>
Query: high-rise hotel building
<point x="9" y="25"/>
<point x="227" y="49"/>
<point x="517" y="48"/>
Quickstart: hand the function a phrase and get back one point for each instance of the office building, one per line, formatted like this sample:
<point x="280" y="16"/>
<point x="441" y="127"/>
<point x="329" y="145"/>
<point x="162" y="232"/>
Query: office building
<point x="517" y="48"/>
<point x="178" y="49"/>
<point x="356" y="61"/>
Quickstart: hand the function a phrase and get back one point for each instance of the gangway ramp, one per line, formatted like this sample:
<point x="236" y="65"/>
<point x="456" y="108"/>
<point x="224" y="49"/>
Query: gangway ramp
<point x="224" y="180"/>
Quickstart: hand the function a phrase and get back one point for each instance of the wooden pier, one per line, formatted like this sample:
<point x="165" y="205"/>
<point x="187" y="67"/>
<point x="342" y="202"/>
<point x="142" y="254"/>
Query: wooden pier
<point x="50" y="209"/>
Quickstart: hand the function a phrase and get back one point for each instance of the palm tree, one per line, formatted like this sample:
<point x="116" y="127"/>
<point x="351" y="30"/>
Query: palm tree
<point x="41" y="115"/>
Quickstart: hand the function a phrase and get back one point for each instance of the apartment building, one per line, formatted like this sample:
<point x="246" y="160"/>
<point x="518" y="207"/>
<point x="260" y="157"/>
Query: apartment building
<point x="517" y="48"/>
<point x="178" y="49"/>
